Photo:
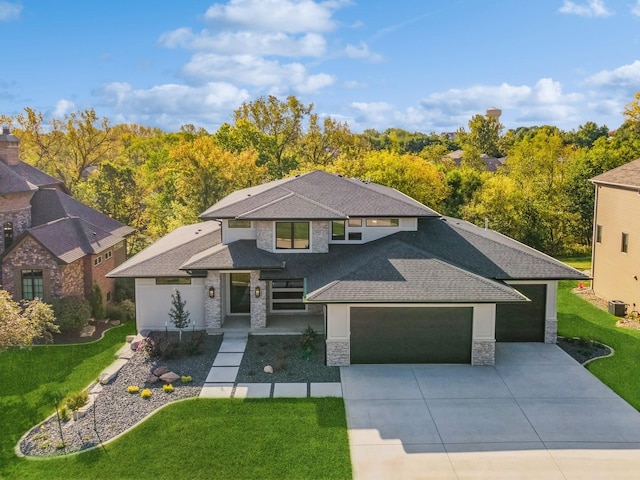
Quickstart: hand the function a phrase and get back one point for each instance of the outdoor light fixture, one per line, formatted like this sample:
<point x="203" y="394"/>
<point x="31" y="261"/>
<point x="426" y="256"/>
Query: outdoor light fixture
<point x="212" y="292"/>
<point x="257" y="292"/>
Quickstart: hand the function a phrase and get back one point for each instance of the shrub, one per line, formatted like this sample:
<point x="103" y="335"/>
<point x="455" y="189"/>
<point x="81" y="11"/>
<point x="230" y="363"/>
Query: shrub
<point x="133" y="389"/>
<point x="146" y="393"/>
<point x="72" y="313"/>
<point x="193" y="346"/>
<point x="186" y="379"/>
<point x="97" y="304"/>
<point x="168" y="388"/>
<point x="64" y="413"/>
<point x="125" y="289"/>
<point x="128" y="309"/>
<point x="308" y="337"/>
<point x="113" y="312"/>
<point x="76" y="400"/>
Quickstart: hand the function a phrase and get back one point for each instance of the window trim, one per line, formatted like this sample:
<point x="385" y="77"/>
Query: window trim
<point x="335" y="237"/>
<point x="108" y="254"/>
<point x="33" y="285"/>
<point x="292" y="236"/>
<point x="373" y="222"/>
<point x="624" y="243"/>
<point x="173" y="280"/>
<point x="97" y="260"/>
<point x="234" y="223"/>
<point x="8" y="234"/>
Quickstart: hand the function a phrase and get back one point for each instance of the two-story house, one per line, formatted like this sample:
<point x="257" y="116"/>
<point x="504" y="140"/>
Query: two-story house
<point x="616" y="235"/>
<point x="53" y="246"/>
<point x="387" y="279"/>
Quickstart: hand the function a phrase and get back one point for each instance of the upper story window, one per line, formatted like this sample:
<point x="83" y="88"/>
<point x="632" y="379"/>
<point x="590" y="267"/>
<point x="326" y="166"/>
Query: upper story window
<point x="292" y="235"/>
<point x="624" y="247"/>
<point x="355" y="222"/>
<point x="97" y="261"/>
<point x="173" y="281"/>
<point x="337" y="230"/>
<point x="383" y="222"/>
<point x="32" y="284"/>
<point x="598" y="233"/>
<point x="8" y="234"/>
<point x="107" y="255"/>
<point x="239" y="223"/>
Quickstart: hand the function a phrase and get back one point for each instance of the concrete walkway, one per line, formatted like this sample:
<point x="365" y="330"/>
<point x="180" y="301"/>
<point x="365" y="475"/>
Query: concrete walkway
<point x="537" y="414"/>
<point x="221" y="380"/>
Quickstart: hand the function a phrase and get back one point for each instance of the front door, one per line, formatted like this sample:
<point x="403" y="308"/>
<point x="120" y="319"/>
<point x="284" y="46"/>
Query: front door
<point x="239" y="299"/>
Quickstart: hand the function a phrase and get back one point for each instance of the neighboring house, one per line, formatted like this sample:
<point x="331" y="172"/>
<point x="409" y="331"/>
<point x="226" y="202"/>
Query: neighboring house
<point x="616" y="235"/>
<point x="492" y="164"/>
<point x="386" y="278"/>
<point x="53" y="246"/>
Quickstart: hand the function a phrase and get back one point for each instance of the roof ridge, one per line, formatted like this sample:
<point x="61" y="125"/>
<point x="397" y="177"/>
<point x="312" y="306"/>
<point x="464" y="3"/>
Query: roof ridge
<point x="248" y="212"/>
<point x="310" y="200"/>
<point x="360" y="183"/>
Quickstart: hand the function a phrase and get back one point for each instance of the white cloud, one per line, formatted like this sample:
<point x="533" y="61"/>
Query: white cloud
<point x="626" y="76"/>
<point x="256" y="71"/>
<point x="171" y="105"/>
<point x="62" y="108"/>
<point x="9" y="11"/>
<point x="593" y="8"/>
<point x="362" y="51"/>
<point x="635" y="9"/>
<point x="255" y="43"/>
<point x="292" y="16"/>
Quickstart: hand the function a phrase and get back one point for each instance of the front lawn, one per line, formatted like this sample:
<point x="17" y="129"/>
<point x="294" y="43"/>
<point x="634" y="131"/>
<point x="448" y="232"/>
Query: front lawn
<point x="578" y="318"/>
<point x="270" y="438"/>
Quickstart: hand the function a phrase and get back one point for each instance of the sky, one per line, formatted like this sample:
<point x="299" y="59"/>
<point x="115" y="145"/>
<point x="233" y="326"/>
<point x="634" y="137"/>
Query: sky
<point x="420" y="65"/>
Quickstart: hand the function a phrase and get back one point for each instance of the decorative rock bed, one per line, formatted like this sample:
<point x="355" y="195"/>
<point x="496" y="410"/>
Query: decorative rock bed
<point x="114" y="410"/>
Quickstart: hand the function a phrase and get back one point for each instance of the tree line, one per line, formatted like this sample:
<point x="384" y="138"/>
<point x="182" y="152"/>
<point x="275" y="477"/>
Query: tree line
<point x="156" y="181"/>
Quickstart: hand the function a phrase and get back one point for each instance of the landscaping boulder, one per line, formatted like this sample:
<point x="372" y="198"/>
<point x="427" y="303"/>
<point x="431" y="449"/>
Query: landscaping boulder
<point x="158" y="372"/>
<point x="268" y="369"/>
<point x="152" y="378"/>
<point x="170" y="377"/>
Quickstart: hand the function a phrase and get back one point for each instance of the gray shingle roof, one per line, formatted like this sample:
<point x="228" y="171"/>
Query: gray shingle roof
<point x="72" y="238"/>
<point x="627" y="175"/>
<point x="48" y="205"/>
<point x="239" y="255"/>
<point x="12" y="182"/>
<point x="36" y="177"/>
<point x="165" y="257"/>
<point x="316" y="195"/>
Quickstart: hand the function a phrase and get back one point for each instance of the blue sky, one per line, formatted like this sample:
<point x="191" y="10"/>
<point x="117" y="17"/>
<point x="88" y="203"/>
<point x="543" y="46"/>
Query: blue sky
<point x="419" y="65"/>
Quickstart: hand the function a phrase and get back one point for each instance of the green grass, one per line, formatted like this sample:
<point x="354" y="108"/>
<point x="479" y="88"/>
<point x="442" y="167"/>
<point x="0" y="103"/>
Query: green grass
<point x="578" y="318"/>
<point x="580" y="262"/>
<point x="270" y="438"/>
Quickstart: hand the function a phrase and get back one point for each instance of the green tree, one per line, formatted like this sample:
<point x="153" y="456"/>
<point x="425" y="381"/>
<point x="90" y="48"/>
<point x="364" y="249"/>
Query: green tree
<point x="483" y="136"/>
<point x="97" y="305"/>
<point x="178" y="313"/>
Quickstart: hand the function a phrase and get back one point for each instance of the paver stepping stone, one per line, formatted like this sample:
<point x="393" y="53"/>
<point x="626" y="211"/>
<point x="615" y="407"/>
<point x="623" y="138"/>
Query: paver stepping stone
<point x="222" y="374"/>
<point x="228" y="360"/>
<point x="253" y="390"/>
<point x="216" y="390"/>
<point x="290" y="390"/>
<point x="326" y="389"/>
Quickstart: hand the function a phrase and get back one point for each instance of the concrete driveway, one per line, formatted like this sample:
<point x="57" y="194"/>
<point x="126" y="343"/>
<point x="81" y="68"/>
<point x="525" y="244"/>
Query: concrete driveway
<point x="537" y="414"/>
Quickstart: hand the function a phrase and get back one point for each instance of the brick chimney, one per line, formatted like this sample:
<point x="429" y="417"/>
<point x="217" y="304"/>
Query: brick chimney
<point x="9" y="147"/>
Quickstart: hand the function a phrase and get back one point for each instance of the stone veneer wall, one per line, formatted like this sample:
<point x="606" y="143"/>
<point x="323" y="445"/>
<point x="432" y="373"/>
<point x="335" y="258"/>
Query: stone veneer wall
<point x="213" y="306"/>
<point x="264" y="236"/>
<point x="483" y="352"/>
<point x="73" y="275"/>
<point x="315" y="309"/>
<point x="338" y="353"/>
<point x="29" y="254"/>
<point x="550" y="330"/>
<point x="320" y="237"/>
<point x="17" y="210"/>
<point x="258" y="305"/>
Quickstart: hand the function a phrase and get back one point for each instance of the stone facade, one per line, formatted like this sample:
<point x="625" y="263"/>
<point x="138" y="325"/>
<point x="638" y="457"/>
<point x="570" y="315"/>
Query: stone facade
<point x="550" y="330"/>
<point x="264" y="235"/>
<point x="258" y="304"/>
<point x="213" y="306"/>
<point x="73" y="275"/>
<point x="30" y="255"/>
<point x="338" y="353"/>
<point x="483" y="352"/>
<point x="320" y="237"/>
<point x="15" y="209"/>
<point x="315" y="309"/>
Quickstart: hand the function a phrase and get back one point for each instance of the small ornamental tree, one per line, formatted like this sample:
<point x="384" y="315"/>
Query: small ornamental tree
<point x="20" y="324"/>
<point x="97" y="305"/>
<point x="178" y="314"/>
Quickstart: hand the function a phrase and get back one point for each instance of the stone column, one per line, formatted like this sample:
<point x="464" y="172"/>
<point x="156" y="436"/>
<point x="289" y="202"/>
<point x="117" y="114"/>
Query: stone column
<point x="550" y="330"/>
<point x="483" y="352"/>
<point x="258" y="304"/>
<point x="338" y="353"/>
<point x="213" y="306"/>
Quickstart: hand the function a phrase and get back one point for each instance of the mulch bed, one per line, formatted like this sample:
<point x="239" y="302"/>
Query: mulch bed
<point x="583" y="350"/>
<point x="284" y="354"/>
<point x="73" y="337"/>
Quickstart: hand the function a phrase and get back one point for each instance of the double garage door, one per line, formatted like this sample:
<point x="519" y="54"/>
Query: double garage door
<point x="411" y="335"/>
<point x="440" y="334"/>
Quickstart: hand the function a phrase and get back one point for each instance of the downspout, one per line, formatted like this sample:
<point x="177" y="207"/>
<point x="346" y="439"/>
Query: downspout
<point x="593" y="237"/>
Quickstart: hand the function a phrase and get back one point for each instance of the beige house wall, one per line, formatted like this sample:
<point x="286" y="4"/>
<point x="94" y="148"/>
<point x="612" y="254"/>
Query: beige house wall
<point x="616" y="275"/>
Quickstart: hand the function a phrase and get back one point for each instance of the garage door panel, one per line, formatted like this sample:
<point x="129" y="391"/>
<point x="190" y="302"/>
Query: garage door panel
<point x="411" y="335"/>
<point x="523" y="322"/>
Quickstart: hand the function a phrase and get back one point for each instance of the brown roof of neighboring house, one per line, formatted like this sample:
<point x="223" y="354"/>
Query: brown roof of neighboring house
<point x="627" y="175"/>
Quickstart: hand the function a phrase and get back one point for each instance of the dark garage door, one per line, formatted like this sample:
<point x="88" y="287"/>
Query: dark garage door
<point x="522" y="322"/>
<point x="411" y="335"/>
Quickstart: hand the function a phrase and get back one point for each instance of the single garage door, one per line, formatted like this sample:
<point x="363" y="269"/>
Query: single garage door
<point x="411" y="335"/>
<point x="522" y="322"/>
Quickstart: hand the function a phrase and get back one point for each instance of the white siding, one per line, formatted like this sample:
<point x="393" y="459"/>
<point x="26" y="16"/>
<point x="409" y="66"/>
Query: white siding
<point x="153" y="303"/>
<point x="230" y="235"/>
